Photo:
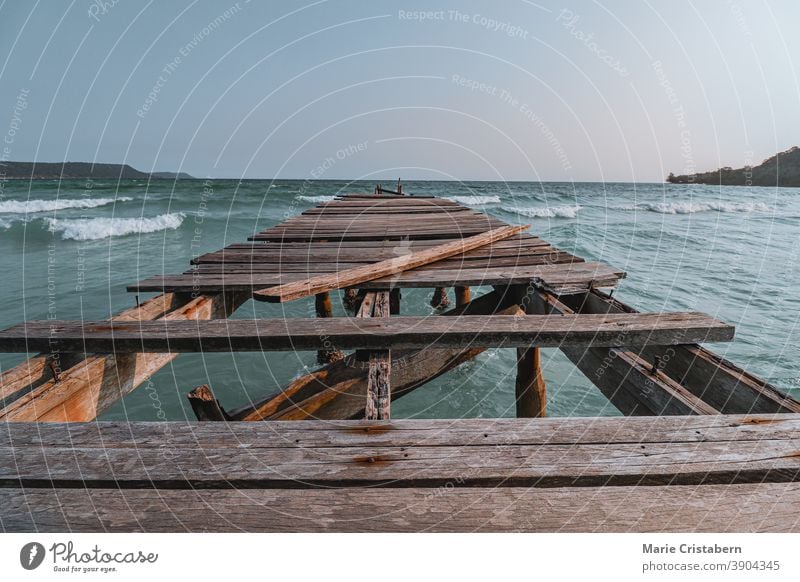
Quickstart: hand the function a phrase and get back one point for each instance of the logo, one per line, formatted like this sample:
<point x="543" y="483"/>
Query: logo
<point x="31" y="555"/>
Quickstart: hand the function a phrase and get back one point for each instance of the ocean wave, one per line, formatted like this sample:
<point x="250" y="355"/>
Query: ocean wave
<point x="693" y="207"/>
<point x="475" y="200"/>
<point x="545" y="212"/>
<point x="97" y="228"/>
<point x="316" y="199"/>
<point x="30" y="206"/>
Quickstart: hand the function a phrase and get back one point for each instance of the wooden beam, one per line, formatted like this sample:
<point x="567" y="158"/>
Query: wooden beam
<point x="98" y="381"/>
<point x="384" y="268"/>
<point x="713" y="509"/>
<point x="45" y="367"/>
<point x="175" y="335"/>
<point x="708" y="377"/>
<point x="484" y="453"/>
<point x="632" y="385"/>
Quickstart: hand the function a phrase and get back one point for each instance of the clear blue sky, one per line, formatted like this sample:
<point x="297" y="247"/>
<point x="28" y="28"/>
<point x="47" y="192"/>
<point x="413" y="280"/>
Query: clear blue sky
<point x="513" y="90"/>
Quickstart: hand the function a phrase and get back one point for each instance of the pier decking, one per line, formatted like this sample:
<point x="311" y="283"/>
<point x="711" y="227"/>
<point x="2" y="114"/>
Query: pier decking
<point x="718" y="451"/>
<point x="723" y="473"/>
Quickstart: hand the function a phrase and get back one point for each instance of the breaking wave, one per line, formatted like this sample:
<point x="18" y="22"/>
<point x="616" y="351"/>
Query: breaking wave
<point x="545" y="212"/>
<point x="316" y="199"/>
<point x="97" y="228"/>
<point x="29" y="206"/>
<point x="475" y="200"/>
<point x="692" y="207"/>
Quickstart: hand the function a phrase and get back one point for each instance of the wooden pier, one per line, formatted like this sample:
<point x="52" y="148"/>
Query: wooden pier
<point x="715" y="449"/>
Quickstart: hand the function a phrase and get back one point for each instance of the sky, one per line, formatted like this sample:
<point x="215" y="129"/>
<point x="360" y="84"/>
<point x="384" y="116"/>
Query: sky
<point x="450" y="90"/>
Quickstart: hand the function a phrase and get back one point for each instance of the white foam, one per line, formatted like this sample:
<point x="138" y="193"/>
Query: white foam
<point x="475" y="200"/>
<point x="29" y="206"/>
<point x="545" y="212"/>
<point x="316" y="199"/>
<point x="693" y="207"/>
<point x="97" y="228"/>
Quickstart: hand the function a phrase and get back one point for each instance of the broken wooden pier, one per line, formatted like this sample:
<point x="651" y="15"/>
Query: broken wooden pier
<point x="702" y="445"/>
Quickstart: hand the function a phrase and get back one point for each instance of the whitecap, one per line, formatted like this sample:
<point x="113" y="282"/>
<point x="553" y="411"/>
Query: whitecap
<point x="315" y="199"/>
<point x="475" y="200"/>
<point x="693" y="207"/>
<point x="545" y="212"/>
<point x="98" y="228"/>
<point x="29" y="206"/>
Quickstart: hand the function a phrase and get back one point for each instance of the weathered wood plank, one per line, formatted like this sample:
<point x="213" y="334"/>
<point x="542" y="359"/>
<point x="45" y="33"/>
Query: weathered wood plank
<point x="168" y="463"/>
<point x="566" y="278"/>
<point x="313" y="265"/>
<point x="685" y="431"/>
<point x="357" y="275"/>
<point x="173" y="335"/>
<point x="770" y="507"/>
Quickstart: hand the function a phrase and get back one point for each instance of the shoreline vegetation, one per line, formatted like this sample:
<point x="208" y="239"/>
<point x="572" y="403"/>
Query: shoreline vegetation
<point x="80" y="171"/>
<point x="782" y="169"/>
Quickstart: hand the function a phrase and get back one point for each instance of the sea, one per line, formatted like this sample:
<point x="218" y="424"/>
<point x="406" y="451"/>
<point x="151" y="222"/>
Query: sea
<point x="69" y="249"/>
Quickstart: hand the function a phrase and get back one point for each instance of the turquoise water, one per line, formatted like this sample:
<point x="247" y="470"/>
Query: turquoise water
<point x="69" y="250"/>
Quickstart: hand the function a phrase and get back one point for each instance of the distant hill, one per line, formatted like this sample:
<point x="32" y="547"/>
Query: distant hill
<point x="79" y="171"/>
<point x="782" y="169"/>
<point x="172" y="176"/>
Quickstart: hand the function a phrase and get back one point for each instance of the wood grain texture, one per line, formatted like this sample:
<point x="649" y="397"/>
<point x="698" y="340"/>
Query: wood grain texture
<point x="540" y="453"/>
<point x="176" y="335"/>
<point x="379" y="380"/>
<point x="563" y="278"/>
<point x="771" y="507"/>
<point x="357" y="275"/>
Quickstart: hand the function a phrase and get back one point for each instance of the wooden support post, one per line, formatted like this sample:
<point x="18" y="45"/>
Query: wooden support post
<point x="440" y="299"/>
<point x="322" y="305"/>
<point x="379" y="389"/>
<point x="531" y="392"/>
<point x="205" y="405"/>
<point x="338" y="390"/>
<point x="394" y="301"/>
<point x="350" y="299"/>
<point x="462" y="296"/>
